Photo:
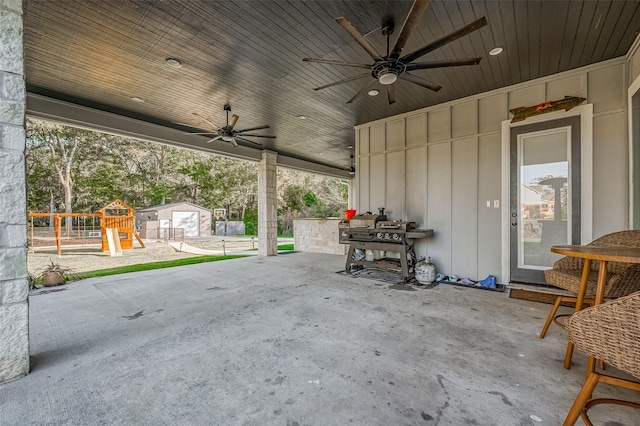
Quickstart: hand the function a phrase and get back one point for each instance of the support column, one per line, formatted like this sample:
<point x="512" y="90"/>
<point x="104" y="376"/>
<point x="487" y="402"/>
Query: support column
<point x="267" y="205"/>
<point x="14" y="289"/>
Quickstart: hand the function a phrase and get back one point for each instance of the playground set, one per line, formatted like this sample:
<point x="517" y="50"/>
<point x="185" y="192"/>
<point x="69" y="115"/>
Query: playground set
<point x="117" y="228"/>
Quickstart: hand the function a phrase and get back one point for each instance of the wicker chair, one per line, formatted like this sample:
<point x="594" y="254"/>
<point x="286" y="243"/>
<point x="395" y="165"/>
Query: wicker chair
<point x="623" y="278"/>
<point x="610" y="332"/>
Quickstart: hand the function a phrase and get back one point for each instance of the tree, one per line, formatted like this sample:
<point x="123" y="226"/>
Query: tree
<point x="81" y="171"/>
<point x="237" y="184"/>
<point x="62" y="143"/>
<point x="303" y="194"/>
<point x="200" y="179"/>
<point x="43" y="187"/>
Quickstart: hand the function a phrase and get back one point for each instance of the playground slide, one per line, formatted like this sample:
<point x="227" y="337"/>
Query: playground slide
<point x="113" y="239"/>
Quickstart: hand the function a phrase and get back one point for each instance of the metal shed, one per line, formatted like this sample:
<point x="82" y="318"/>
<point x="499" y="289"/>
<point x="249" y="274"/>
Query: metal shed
<point x="173" y="221"/>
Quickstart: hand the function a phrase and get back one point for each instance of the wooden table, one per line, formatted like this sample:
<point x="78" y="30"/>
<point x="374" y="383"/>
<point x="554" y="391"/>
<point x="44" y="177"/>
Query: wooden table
<point x="603" y="254"/>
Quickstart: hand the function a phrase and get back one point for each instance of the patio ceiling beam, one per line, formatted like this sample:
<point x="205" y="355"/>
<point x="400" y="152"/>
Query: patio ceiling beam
<point x="46" y="108"/>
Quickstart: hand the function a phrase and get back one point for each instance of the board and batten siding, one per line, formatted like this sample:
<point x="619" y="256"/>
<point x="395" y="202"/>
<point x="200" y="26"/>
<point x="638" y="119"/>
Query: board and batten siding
<point x="633" y="57"/>
<point x="439" y="166"/>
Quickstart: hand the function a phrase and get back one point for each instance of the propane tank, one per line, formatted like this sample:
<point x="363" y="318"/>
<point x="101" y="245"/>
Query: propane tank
<point x="425" y="271"/>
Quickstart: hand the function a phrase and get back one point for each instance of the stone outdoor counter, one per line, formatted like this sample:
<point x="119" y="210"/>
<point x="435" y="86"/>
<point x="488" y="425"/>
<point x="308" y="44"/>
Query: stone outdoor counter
<point x="318" y="236"/>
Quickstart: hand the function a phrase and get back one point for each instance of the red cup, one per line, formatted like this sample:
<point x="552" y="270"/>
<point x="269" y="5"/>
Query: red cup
<point x="348" y="214"/>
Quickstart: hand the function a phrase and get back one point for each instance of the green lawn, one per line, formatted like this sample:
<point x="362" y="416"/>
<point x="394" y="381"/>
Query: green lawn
<point x="256" y="235"/>
<point x="151" y="266"/>
<point x="283" y="247"/>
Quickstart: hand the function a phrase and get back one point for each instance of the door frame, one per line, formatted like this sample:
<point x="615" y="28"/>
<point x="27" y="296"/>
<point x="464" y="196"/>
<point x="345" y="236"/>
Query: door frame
<point x="586" y="176"/>
<point x="633" y="89"/>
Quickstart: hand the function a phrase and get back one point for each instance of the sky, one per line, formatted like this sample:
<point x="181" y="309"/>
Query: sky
<point x="531" y="174"/>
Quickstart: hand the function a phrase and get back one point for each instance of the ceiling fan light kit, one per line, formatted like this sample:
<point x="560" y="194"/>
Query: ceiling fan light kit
<point x="387" y="76"/>
<point x="391" y="67"/>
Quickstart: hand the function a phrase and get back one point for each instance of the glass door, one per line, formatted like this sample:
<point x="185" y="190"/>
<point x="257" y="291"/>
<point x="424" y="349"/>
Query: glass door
<point x="545" y="160"/>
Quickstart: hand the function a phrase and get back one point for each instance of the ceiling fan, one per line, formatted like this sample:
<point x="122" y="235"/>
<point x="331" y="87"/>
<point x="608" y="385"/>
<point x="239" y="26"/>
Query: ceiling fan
<point x="387" y="69"/>
<point x="228" y="132"/>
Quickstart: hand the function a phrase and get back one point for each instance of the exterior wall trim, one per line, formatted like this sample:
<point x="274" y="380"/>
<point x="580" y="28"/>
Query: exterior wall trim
<point x="633" y="89"/>
<point x="46" y="108"/>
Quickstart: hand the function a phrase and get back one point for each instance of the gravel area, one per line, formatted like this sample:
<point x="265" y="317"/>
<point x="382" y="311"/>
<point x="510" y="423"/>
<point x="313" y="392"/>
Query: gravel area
<point x="231" y="244"/>
<point x="91" y="258"/>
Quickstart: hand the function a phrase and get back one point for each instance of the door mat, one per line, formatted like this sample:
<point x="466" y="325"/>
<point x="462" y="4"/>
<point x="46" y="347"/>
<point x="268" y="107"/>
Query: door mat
<point x="499" y="287"/>
<point x="536" y="296"/>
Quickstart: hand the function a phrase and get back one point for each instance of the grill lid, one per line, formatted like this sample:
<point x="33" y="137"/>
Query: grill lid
<point x="366" y="220"/>
<point x="396" y="224"/>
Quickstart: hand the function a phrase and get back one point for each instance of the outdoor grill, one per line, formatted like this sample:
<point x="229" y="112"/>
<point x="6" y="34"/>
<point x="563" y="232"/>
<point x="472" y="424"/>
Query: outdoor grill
<point x="376" y="233"/>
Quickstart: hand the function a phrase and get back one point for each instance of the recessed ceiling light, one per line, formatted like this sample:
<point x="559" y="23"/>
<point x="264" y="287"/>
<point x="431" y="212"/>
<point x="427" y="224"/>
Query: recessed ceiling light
<point x="373" y="92"/>
<point x="495" y="51"/>
<point x="137" y="99"/>
<point x="173" y="62"/>
<point x="302" y="117"/>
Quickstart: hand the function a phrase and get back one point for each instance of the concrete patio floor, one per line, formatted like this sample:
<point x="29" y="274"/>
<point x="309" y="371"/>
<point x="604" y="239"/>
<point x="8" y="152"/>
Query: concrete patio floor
<point x="286" y="341"/>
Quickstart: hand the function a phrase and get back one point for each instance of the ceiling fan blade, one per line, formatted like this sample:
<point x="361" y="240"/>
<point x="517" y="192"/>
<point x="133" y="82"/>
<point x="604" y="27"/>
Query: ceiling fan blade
<point x="391" y="94"/>
<point x="475" y="25"/>
<point x="200" y="133"/>
<point x="359" y="38"/>
<point x="331" y="62"/>
<point x="255" y="136"/>
<point x="361" y="91"/>
<point x="234" y="120"/>
<point x="420" y="81"/>
<point x="204" y="119"/>
<point x="443" y="64"/>
<point x="214" y="139"/>
<point x="247" y="140"/>
<point x="346" y="80"/>
<point x="233" y="142"/>
<point x="253" y="128"/>
<point x="410" y="24"/>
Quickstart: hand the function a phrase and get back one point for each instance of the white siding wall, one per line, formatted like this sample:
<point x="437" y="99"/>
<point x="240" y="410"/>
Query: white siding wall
<point x="439" y="166"/>
<point x="166" y="213"/>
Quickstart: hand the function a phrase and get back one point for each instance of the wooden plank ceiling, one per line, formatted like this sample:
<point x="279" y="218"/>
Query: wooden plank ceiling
<point x="249" y="54"/>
